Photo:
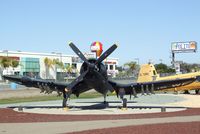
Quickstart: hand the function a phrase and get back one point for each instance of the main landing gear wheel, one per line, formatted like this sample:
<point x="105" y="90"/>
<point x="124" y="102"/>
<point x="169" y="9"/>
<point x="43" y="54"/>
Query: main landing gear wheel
<point x="64" y="104"/>
<point x="124" y="103"/>
<point x="197" y="91"/>
<point x="186" y="92"/>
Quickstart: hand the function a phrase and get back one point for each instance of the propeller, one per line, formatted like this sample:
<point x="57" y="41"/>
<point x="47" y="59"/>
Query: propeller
<point x="77" y="80"/>
<point x="108" y="86"/>
<point x="91" y="66"/>
<point x="106" y="54"/>
<point x="79" y="53"/>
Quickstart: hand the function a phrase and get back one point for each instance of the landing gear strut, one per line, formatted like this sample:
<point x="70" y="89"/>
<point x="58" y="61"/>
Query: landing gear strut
<point x="124" y="100"/>
<point x="66" y="95"/>
<point x="104" y="99"/>
<point x="124" y="103"/>
<point x="186" y="92"/>
<point x="64" y="104"/>
<point x="197" y="91"/>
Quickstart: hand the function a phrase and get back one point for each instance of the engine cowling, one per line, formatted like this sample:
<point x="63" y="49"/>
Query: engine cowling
<point x="101" y="68"/>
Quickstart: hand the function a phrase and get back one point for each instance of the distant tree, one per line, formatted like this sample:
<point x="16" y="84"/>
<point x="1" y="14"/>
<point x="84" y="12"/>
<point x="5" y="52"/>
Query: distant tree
<point x="130" y="69"/>
<point x="131" y="65"/>
<point x="69" y="69"/>
<point x="186" y="67"/>
<point x="163" y="68"/>
<point x="14" y="63"/>
<point x="119" y="68"/>
<point x="5" y="62"/>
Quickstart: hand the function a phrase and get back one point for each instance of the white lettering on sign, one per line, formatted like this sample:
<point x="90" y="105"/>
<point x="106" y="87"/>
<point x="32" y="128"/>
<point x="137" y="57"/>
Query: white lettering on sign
<point x="183" y="46"/>
<point x="94" y="48"/>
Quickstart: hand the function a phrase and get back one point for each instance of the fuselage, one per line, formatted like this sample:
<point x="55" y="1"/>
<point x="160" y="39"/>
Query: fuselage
<point x="93" y="80"/>
<point x="148" y="73"/>
<point x="192" y="86"/>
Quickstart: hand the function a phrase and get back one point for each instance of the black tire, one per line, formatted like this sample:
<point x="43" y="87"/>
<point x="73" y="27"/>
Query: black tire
<point x="197" y="91"/>
<point x="124" y="103"/>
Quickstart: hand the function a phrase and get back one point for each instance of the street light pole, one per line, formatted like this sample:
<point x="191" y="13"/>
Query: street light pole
<point x="160" y="60"/>
<point x="138" y="60"/>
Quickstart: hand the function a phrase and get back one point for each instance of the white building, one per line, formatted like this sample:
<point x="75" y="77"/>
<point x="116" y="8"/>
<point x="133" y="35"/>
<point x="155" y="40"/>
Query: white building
<point x="33" y="63"/>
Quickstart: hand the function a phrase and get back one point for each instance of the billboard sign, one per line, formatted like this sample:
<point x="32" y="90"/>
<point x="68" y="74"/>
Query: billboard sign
<point x="97" y="47"/>
<point x="179" y="47"/>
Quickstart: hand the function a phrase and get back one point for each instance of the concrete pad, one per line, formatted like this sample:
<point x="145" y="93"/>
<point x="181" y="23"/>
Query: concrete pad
<point x="142" y="104"/>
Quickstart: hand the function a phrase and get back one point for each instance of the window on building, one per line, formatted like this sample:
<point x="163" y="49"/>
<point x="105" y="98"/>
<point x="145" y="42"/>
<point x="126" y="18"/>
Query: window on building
<point x="111" y="67"/>
<point x="30" y="66"/>
<point x="67" y="64"/>
<point x="74" y="65"/>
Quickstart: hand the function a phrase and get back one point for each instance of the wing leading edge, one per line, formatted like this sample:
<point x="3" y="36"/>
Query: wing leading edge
<point x="46" y="86"/>
<point x="150" y="87"/>
<point x="128" y="89"/>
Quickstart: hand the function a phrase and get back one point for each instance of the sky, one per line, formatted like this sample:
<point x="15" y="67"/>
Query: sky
<point x="143" y="29"/>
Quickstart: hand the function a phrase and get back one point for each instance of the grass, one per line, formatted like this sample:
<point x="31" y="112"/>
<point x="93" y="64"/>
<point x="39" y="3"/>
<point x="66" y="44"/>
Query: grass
<point x="46" y="98"/>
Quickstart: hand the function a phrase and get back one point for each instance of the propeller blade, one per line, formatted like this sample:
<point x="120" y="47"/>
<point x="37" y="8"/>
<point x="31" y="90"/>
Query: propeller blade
<point x="77" y="80"/>
<point x="106" y="54"/>
<point x="107" y="85"/>
<point x="78" y="52"/>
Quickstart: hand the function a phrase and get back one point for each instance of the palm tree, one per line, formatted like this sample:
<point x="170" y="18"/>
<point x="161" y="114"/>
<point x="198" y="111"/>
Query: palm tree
<point x="5" y="62"/>
<point x="69" y="69"/>
<point x="14" y="63"/>
<point x="132" y="66"/>
<point x="48" y="64"/>
<point x="58" y="64"/>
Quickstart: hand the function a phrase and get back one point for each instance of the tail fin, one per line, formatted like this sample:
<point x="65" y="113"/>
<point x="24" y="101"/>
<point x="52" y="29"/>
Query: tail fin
<point x="147" y="73"/>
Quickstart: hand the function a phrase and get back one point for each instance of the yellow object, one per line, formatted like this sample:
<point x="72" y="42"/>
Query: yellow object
<point x="148" y="73"/>
<point x="123" y="109"/>
<point x="113" y="92"/>
<point x="66" y="108"/>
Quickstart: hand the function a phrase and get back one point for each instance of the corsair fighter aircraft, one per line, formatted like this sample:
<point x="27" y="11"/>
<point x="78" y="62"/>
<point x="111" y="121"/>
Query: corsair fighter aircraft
<point x="93" y="75"/>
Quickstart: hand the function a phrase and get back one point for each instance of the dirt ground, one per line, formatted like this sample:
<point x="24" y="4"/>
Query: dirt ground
<point x="23" y="92"/>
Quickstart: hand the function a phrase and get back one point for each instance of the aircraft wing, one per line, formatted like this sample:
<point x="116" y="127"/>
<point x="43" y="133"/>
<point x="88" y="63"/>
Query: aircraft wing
<point x="150" y="87"/>
<point x="46" y="86"/>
